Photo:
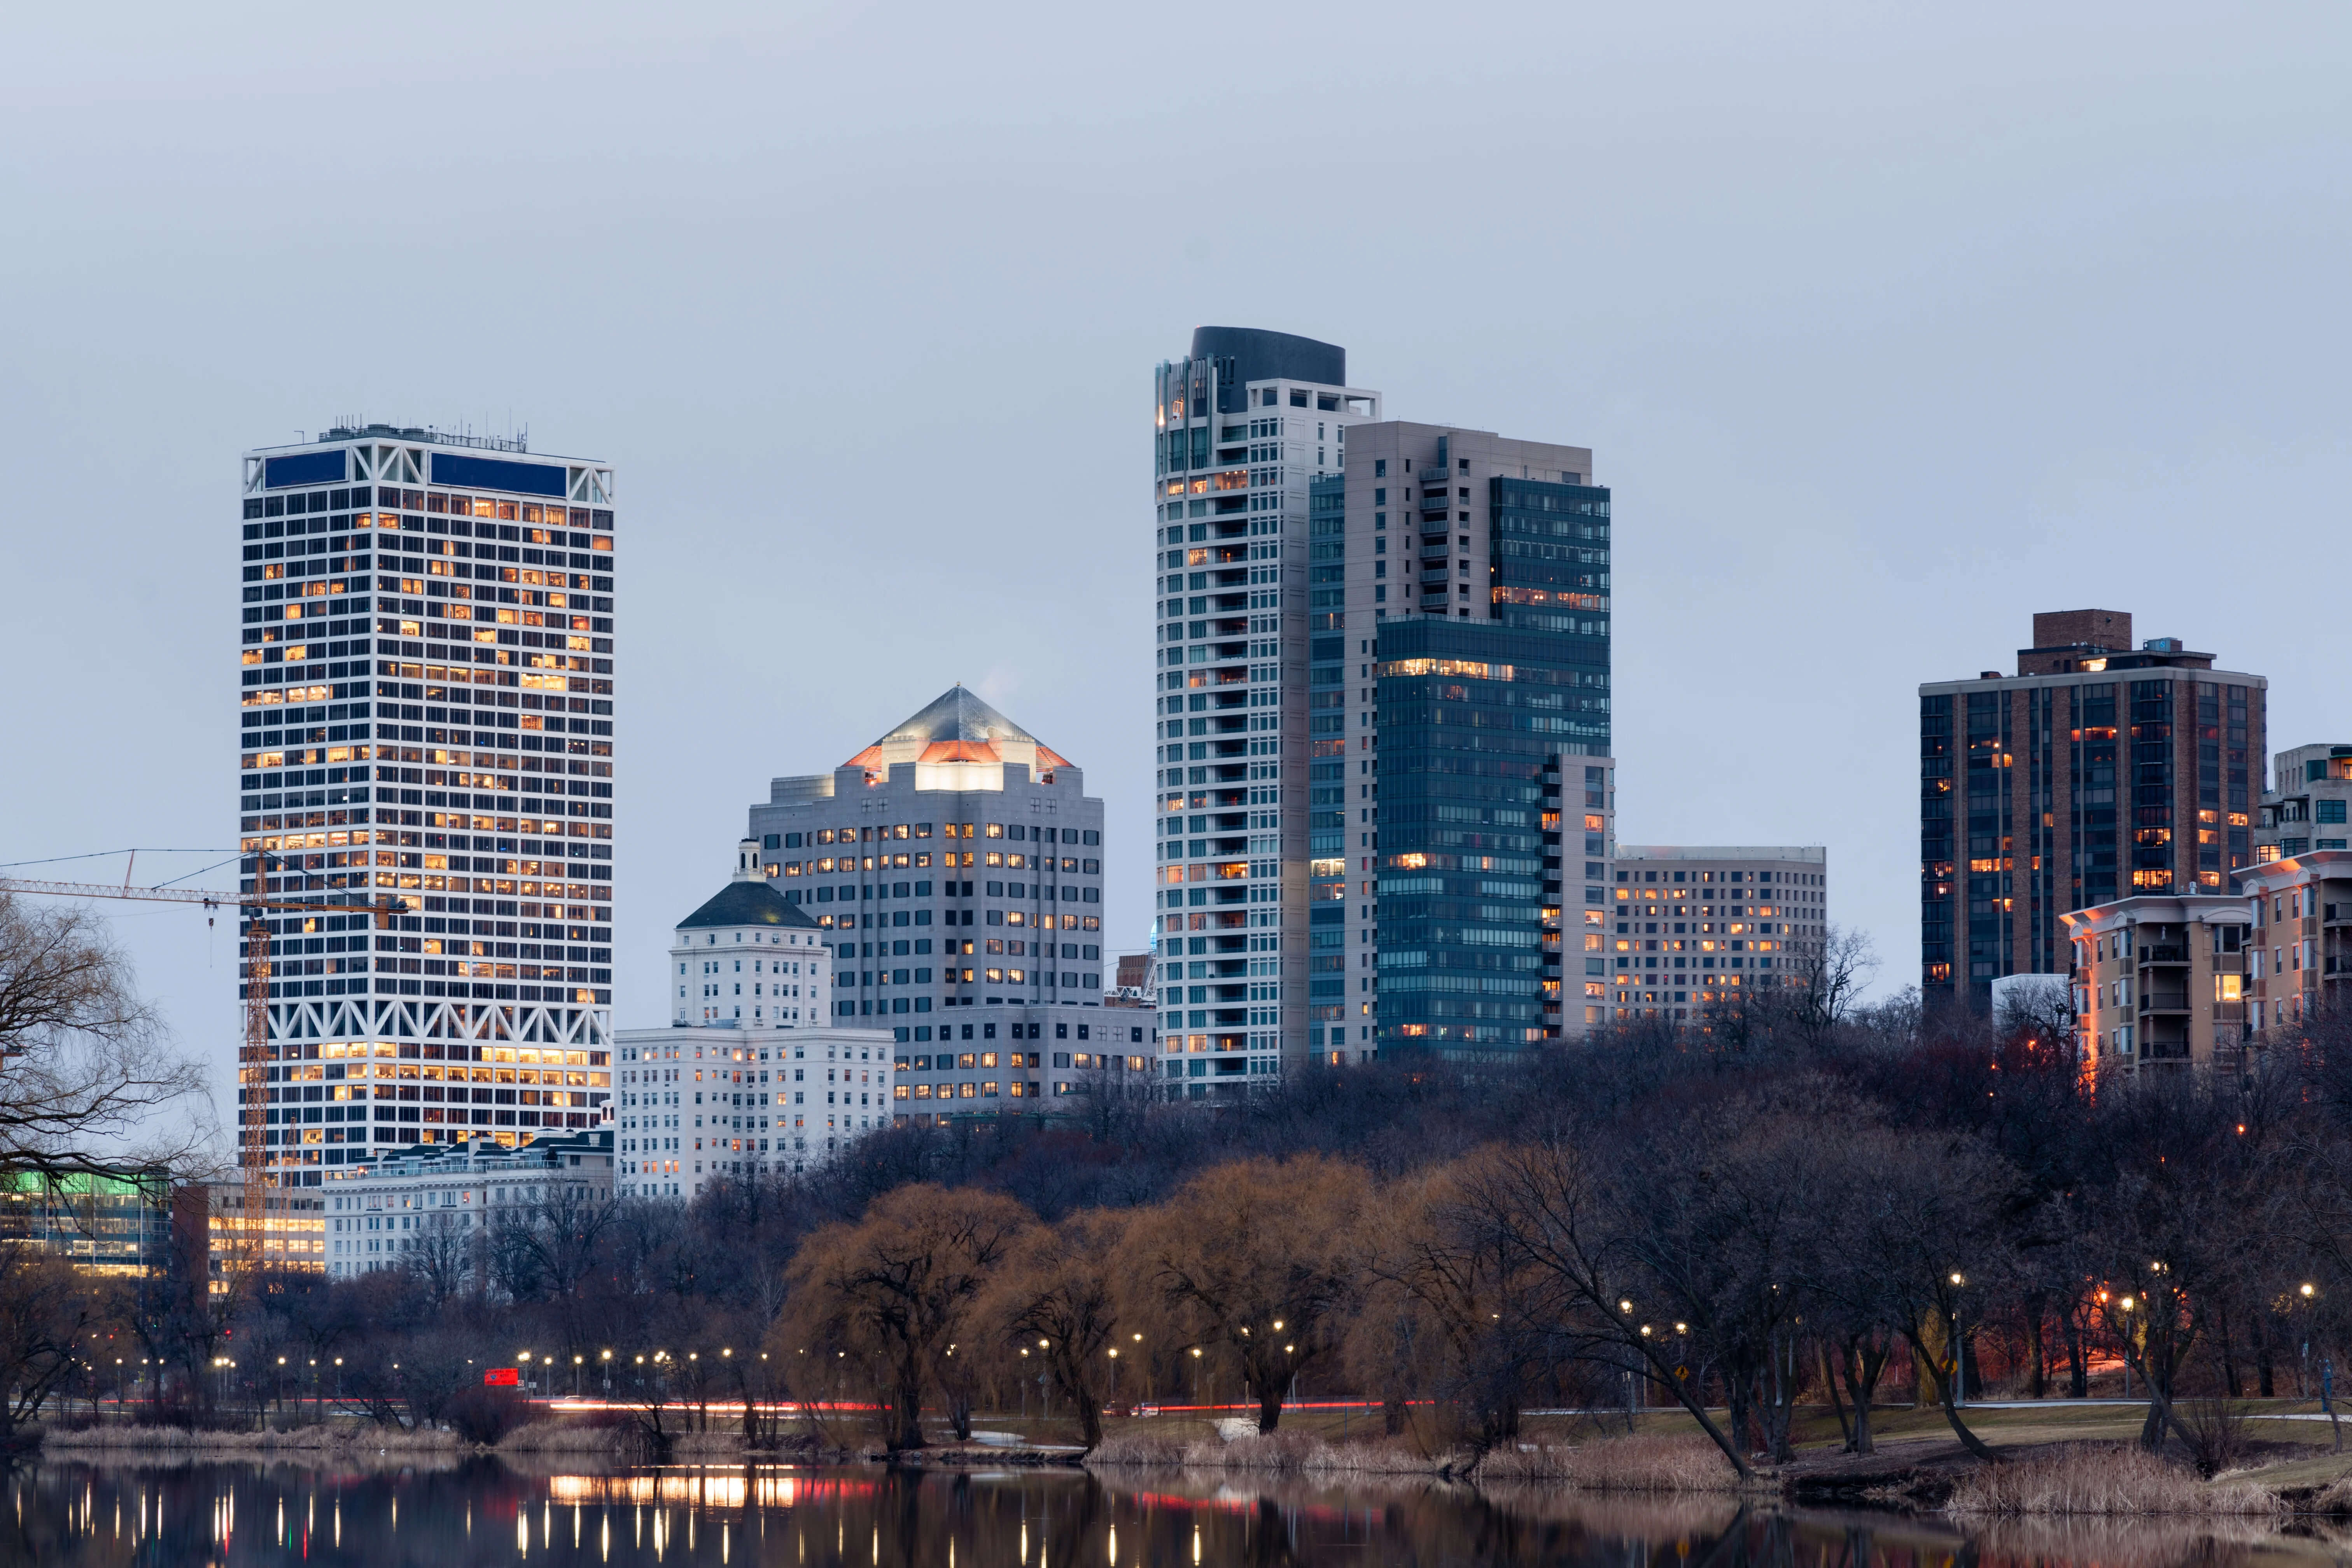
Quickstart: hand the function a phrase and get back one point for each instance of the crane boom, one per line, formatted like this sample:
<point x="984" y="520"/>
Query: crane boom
<point x="253" y="1079"/>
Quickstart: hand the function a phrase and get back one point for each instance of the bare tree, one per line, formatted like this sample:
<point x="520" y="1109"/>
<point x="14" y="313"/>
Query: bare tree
<point x="1482" y="1311"/>
<point x="446" y="1257"/>
<point x="43" y="1307"/>
<point x="1560" y="1202"/>
<point x="1835" y="972"/>
<point x="1928" y="1231"/>
<point x="83" y="1060"/>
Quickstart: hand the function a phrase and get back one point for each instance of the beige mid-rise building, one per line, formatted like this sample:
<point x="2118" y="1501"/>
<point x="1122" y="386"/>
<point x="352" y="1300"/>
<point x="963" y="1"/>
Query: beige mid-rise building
<point x="1695" y="924"/>
<point x="2159" y="982"/>
<point x="2301" y="905"/>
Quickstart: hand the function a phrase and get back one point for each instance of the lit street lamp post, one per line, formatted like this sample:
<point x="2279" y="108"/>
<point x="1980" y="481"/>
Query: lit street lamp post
<point x="1959" y="1349"/>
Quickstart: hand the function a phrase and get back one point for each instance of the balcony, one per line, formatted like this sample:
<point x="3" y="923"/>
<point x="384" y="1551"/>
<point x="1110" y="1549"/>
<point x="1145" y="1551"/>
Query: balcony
<point x="2164" y="1002"/>
<point x="2148" y="955"/>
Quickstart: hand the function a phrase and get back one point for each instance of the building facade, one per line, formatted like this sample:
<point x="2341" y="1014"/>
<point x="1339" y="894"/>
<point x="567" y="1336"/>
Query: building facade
<point x="2301" y="940"/>
<point x="290" y="1232"/>
<point x="1243" y="427"/>
<point x="2159" y="982"/>
<point x="1691" y="925"/>
<point x="750" y="958"/>
<point x="2099" y="771"/>
<point x="436" y="1204"/>
<point x="703" y="1101"/>
<point x="1479" y="792"/>
<point x="1306" y="552"/>
<point x="426" y="697"/>
<point x="730" y="1089"/>
<point x="1033" y="1059"/>
<point x="114" y="1223"/>
<point x="957" y="862"/>
<point x="2308" y="807"/>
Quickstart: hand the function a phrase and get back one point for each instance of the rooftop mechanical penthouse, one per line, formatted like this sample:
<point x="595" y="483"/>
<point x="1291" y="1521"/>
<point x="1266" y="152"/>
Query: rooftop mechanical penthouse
<point x="426" y="695"/>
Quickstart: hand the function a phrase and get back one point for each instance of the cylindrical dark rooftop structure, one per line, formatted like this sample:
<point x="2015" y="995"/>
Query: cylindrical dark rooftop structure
<point x="1260" y="355"/>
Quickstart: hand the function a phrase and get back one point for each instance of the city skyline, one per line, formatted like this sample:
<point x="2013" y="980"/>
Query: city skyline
<point x="1854" y="406"/>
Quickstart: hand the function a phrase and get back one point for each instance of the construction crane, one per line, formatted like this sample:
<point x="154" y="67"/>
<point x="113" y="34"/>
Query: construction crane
<point x="253" y="1077"/>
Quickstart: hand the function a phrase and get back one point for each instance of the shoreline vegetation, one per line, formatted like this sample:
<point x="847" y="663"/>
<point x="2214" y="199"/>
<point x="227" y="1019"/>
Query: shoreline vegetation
<point x="2089" y="1481"/>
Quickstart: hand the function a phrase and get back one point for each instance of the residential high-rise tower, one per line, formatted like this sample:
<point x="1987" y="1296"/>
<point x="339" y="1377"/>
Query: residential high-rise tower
<point x="2099" y="771"/>
<point x="1345" y="604"/>
<point x="1244" y="425"/>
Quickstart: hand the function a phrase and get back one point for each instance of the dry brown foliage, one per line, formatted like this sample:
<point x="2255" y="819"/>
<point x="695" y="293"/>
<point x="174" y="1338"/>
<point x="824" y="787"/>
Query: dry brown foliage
<point x="2104" y="1480"/>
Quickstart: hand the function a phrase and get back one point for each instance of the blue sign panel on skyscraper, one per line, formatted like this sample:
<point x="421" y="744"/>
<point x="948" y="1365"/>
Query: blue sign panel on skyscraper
<point x="496" y="474"/>
<point x="303" y="468"/>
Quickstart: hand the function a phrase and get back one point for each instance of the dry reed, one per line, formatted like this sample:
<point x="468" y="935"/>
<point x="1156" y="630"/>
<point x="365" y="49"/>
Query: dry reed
<point x="1637" y="1464"/>
<point x="1642" y="1463"/>
<point x="159" y="1440"/>
<point x="2103" y="1479"/>
<point x="1276" y="1452"/>
<point x="562" y="1437"/>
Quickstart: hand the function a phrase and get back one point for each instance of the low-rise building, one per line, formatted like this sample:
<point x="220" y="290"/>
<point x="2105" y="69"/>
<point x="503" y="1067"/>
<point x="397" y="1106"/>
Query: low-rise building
<point x="432" y="1204"/>
<point x="2300" y="909"/>
<point x="701" y="1103"/>
<point x="117" y="1222"/>
<point x="290" y="1231"/>
<point x="2310" y="806"/>
<point x="2159" y="982"/>
<point x="1695" y="924"/>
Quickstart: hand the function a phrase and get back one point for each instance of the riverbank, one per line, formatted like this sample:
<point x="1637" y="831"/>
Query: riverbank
<point x="351" y="1440"/>
<point x="2056" y="1461"/>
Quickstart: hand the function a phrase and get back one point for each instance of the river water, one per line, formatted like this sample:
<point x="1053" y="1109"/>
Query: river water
<point x="487" y="1515"/>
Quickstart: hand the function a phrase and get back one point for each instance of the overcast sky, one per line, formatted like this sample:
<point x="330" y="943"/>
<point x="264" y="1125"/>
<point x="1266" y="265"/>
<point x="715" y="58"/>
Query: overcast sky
<point x="1887" y="325"/>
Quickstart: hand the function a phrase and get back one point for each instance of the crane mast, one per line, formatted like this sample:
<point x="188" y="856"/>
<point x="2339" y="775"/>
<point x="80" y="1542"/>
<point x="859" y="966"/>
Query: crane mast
<point x="252" y="1073"/>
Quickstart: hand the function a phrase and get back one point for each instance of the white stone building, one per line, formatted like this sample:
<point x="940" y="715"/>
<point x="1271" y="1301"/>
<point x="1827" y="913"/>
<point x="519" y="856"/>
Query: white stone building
<point x="442" y="1199"/>
<point x="750" y="1078"/>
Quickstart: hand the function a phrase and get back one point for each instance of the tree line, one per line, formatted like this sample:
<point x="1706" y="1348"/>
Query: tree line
<point x="1791" y="1199"/>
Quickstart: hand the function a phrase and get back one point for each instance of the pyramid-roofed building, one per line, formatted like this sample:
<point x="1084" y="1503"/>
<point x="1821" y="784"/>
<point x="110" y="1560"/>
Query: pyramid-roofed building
<point x="958" y="727"/>
<point x="957" y="862"/>
<point x="957" y="742"/>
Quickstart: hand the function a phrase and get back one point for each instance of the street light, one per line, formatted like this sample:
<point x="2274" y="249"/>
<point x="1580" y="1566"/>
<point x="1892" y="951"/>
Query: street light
<point x="1959" y="1349"/>
<point x="2126" y="1304"/>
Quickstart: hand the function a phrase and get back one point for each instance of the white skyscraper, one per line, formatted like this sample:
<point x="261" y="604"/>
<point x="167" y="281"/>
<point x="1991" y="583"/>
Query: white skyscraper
<point x="1245" y="424"/>
<point x="426" y="696"/>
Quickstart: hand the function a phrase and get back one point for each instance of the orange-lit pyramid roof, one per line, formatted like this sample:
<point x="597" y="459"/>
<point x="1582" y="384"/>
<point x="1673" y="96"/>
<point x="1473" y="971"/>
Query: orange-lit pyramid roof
<point x="959" y="728"/>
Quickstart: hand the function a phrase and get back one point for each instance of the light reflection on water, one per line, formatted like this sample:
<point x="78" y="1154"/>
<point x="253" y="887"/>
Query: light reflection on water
<point x="487" y="1514"/>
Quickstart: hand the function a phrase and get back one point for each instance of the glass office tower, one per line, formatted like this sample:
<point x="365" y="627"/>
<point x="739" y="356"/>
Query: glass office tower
<point x="1493" y="778"/>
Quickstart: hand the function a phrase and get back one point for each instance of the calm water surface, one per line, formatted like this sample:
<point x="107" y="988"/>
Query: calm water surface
<point x="487" y="1514"/>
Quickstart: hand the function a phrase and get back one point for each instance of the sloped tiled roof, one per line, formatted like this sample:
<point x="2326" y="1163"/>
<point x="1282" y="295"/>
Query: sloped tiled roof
<point x="959" y="728"/>
<point x="749" y="903"/>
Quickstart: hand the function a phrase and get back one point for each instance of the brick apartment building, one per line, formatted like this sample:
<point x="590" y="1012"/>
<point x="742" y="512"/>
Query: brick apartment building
<point x="2099" y="771"/>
